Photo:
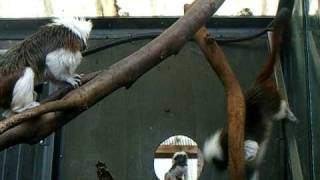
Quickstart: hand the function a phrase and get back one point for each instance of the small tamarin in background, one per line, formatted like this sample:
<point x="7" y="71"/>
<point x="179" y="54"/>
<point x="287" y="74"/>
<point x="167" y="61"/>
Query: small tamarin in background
<point x="179" y="168"/>
<point x="50" y="54"/>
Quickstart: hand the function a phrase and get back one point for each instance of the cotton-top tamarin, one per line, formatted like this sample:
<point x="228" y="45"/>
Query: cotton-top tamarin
<point x="179" y="168"/>
<point x="50" y="54"/>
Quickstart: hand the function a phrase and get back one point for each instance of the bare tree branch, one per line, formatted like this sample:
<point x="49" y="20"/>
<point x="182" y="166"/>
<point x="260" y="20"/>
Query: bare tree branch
<point x="40" y="122"/>
<point x="48" y="106"/>
<point x="235" y="101"/>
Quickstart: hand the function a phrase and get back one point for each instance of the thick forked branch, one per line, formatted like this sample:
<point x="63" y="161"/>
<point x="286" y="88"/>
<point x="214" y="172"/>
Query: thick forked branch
<point x="123" y="73"/>
<point x="235" y="101"/>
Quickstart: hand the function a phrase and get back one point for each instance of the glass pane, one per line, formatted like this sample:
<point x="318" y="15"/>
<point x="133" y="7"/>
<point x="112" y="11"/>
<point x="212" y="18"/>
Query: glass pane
<point x="94" y="8"/>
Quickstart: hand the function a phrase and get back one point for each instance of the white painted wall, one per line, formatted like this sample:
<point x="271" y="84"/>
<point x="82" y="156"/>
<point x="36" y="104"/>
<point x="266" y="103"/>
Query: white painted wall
<point x="49" y="8"/>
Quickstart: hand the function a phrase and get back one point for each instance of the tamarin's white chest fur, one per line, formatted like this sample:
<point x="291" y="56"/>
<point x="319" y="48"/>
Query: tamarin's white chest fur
<point x="62" y="40"/>
<point x="62" y="62"/>
<point x="63" y="58"/>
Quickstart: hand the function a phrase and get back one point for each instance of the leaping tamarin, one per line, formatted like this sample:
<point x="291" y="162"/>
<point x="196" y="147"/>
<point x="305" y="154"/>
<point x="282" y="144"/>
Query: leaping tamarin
<point x="264" y="104"/>
<point x="50" y="54"/>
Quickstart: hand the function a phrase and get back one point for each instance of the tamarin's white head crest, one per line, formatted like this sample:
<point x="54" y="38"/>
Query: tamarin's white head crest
<point x="179" y="153"/>
<point x="80" y="26"/>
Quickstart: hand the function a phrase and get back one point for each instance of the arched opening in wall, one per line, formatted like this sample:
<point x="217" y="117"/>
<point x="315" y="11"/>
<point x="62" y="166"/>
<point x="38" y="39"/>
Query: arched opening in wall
<point x="178" y="156"/>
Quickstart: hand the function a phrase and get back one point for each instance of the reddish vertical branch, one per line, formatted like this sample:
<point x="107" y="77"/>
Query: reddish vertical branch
<point x="235" y="101"/>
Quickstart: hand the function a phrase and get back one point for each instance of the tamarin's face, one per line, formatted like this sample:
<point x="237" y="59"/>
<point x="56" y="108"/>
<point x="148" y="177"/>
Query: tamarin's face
<point x="180" y="159"/>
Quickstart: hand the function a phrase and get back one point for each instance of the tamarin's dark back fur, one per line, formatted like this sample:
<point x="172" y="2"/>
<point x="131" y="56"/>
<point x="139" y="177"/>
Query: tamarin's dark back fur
<point x="32" y="51"/>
